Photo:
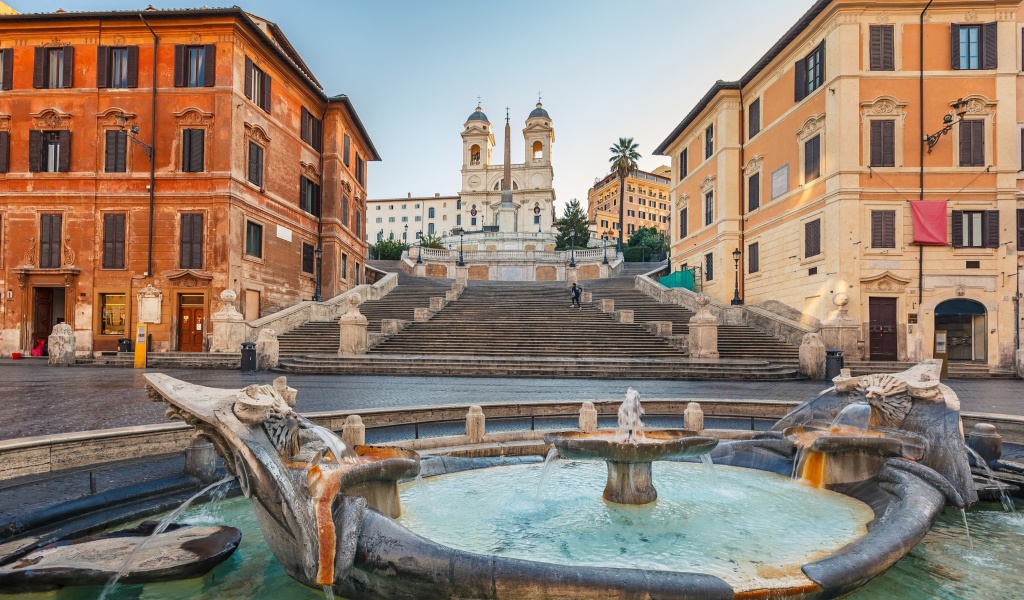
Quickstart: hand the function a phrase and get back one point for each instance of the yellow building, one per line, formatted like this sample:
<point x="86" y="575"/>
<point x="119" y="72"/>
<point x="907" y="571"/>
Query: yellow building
<point x="646" y="203"/>
<point x="809" y="166"/>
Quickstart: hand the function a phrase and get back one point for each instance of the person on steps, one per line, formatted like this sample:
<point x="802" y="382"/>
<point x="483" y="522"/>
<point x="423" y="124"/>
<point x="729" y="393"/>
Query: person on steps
<point x="576" y="291"/>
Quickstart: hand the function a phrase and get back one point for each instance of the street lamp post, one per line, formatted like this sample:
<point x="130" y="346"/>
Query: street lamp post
<point x="960" y="109"/>
<point x="572" y="249"/>
<point x="461" y="233"/>
<point x="604" y="246"/>
<point x="380" y="237"/>
<point x="419" y="249"/>
<point x="643" y="250"/>
<point x="736" y="300"/>
<point x="319" y="252"/>
<point x="405" y="234"/>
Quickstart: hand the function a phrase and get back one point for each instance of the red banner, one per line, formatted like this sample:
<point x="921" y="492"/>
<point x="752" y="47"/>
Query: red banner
<point x="929" y="222"/>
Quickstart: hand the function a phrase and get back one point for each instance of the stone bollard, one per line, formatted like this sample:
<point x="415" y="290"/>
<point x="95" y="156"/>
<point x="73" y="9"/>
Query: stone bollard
<point x="812" y="356"/>
<point x="61" y="346"/>
<point x="986" y="441"/>
<point x="703" y="331"/>
<point x="587" y="297"/>
<point x="437" y="303"/>
<point x="572" y="275"/>
<point x="451" y="295"/>
<point x="606" y="305"/>
<point x="353" y="329"/>
<point x="422" y="315"/>
<point x="268" y="350"/>
<point x="392" y="326"/>
<point x="693" y="417"/>
<point x="624" y="316"/>
<point x="662" y="329"/>
<point x="201" y="459"/>
<point x="588" y="417"/>
<point x="461" y="277"/>
<point x="353" y="432"/>
<point x="475" y="424"/>
<point x="229" y="328"/>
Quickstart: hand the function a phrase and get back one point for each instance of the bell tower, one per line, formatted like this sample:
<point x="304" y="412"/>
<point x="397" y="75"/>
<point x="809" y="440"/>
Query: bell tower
<point x="539" y="135"/>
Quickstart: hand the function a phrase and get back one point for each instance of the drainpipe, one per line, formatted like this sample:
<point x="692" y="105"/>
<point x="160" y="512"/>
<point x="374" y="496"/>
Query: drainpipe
<point x="920" y="176"/>
<point x="320" y="217"/>
<point x="743" y="195"/>
<point x="152" y="158"/>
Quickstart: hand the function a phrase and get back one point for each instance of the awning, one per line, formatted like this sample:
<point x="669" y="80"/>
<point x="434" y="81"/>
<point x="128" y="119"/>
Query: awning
<point x="929" y="222"/>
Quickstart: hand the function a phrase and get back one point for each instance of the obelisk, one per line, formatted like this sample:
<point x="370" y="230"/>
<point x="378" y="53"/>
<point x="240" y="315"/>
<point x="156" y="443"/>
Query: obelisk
<point x="507" y="210"/>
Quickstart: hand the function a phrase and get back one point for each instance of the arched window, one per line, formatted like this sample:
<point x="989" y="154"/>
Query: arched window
<point x="474" y="154"/>
<point x="963" y="322"/>
<point x="430" y="213"/>
<point x="538" y="150"/>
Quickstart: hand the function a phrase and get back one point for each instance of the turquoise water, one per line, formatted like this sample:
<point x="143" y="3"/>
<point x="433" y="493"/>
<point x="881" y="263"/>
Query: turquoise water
<point x="942" y="567"/>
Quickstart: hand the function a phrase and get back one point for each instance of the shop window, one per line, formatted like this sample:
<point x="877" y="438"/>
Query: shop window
<point x="113" y="314"/>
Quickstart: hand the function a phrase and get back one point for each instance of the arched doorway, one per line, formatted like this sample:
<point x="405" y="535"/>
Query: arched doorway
<point x="966" y="325"/>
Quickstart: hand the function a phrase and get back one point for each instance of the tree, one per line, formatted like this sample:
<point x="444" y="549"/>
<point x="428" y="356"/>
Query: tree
<point x="431" y="240"/>
<point x="645" y="244"/>
<point x="623" y="160"/>
<point x="572" y="227"/>
<point x="388" y="249"/>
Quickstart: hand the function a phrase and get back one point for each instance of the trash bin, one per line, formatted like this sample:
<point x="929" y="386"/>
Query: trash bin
<point x="124" y="345"/>
<point x="248" y="356"/>
<point x="833" y="363"/>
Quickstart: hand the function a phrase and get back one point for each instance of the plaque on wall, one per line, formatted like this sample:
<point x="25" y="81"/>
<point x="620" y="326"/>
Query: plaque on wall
<point x="150" y="304"/>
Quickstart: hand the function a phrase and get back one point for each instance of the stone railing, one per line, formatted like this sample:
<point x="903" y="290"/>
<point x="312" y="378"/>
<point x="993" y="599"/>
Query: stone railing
<point x="560" y="256"/>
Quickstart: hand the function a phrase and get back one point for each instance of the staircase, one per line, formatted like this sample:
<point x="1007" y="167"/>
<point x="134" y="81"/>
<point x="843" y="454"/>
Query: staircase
<point x="957" y="370"/>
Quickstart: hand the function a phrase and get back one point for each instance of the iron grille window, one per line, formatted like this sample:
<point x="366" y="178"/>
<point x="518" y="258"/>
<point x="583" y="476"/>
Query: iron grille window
<point x="307" y="258"/>
<point x="113" y="241"/>
<point x="709" y="266"/>
<point x="709" y="208"/>
<point x="191" y="241"/>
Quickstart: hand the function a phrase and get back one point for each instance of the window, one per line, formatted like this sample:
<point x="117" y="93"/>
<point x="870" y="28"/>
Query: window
<point x="6" y="68"/>
<point x="417" y="218"/>
<point x="974" y="46"/>
<point x="882" y="48"/>
<point x="117" y="67"/>
<point x="536" y="219"/>
<point x="54" y="67"/>
<point x="812" y="238"/>
<point x="709" y="208"/>
<point x="345" y="150"/>
<point x="709" y="267"/>
<point x="809" y="72"/>
<point x="113" y="316"/>
<point x="311" y="129"/>
<point x="472" y="222"/>
<point x="257" y="85"/>
<point x="458" y="220"/>
<point x="883" y="229"/>
<point x="359" y="224"/>
<point x="191" y="241"/>
<point x="883" y="143"/>
<point x="404" y="206"/>
<point x="344" y="266"/>
<point x="193" y="150"/>
<point x="754" y="118"/>
<point x="391" y="219"/>
<point x="307" y="258"/>
<point x="253" y="239"/>
<point x="780" y="181"/>
<point x="1020" y="230"/>
<point x="113" y="241"/>
<point x="975" y="229"/>
<point x="430" y="229"/>
<point x="812" y="159"/>
<point x="309" y="196"/>
<point x="753" y="258"/>
<point x="754" y="192"/>
<point x="709" y="141"/>
<point x="360" y="170"/>
<point x="344" y="210"/>
<point x="430" y="213"/>
<point x="380" y="219"/>
<point x="116" y="151"/>
<point x="405" y="219"/>
<point x="643" y="215"/>
<point x="255" y="164"/>
<point x="5" y="150"/>
<point x="50" y="241"/>
<point x="972" y="143"/>
<point x="49" y="151"/>
<point x="458" y="204"/>
<point x="195" y="66"/>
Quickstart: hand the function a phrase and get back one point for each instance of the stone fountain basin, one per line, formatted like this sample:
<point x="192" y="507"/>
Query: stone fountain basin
<point x="833" y="439"/>
<point x="658" y="444"/>
<point x="381" y="463"/>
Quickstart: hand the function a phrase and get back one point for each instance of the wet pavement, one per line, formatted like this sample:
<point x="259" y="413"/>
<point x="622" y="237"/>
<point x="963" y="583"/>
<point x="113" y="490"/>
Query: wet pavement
<point x="39" y="400"/>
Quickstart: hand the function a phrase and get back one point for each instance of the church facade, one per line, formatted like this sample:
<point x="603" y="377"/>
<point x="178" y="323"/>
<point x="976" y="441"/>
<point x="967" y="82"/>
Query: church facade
<point x="533" y="198"/>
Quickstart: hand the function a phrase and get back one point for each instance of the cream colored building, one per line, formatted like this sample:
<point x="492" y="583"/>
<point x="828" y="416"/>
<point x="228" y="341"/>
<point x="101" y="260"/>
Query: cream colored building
<point x="410" y="218"/>
<point x="808" y="165"/>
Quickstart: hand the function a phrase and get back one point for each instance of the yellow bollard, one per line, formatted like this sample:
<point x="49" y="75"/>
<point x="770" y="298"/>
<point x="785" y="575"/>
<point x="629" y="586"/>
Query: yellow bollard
<point x="140" y="346"/>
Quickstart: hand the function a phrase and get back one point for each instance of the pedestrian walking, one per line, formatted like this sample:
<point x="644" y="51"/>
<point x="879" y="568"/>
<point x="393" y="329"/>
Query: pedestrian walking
<point x="576" y="291"/>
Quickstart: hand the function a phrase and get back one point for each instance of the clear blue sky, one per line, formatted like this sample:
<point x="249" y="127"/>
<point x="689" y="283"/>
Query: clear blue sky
<point x="606" y="69"/>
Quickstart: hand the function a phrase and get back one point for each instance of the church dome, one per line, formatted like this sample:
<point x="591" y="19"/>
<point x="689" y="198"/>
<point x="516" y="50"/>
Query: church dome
<point x="539" y="112"/>
<point x="478" y="115"/>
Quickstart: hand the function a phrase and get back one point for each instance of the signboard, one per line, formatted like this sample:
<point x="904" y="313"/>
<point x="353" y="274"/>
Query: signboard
<point x="780" y="181"/>
<point x="912" y="318"/>
<point x="941" y="352"/>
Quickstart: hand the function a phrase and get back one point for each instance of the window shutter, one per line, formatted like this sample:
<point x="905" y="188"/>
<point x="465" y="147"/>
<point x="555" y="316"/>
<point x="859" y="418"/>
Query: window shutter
<point x="133" y="66"/>
<point x="754" y="264"/>
<point x="990" y="229"/>
<point x="186" y="242"/>
<point x="186" y="150"/>
<point x="958" y="228"/>
<point x="954" y="46"/>
<point x="39" y="69"/>
<point x="1020" y="230"/>
<point x="304" y="126"/>
<point x="875" y="46"/>
<point x="197" y="150"/>
<point x="754" y="191"/>
<point x="977" y="143"/>
<point x="180" y="69"/>
<point x="266" y="93"/>
<point x="35" y="151"/>
<point x="103" y="67"/>
<point x="64" y="160"/>
<point x="210" y="65"/>
<point x="119" y="235"/>
<point x="989" y="46"/>
<point x="49" y="241"/>
<point x="302" y="191"/>
<point x="821" y="63"/>
<point x="110" y="160"/>
<point x="69" y="66"/>
<point x="800" y="80"/>
<point x="755" y="118"/>
<point x="5" y="151"/>
<point x="8" y="58"/>
<point x="876" y="229"/>
<point x="108" y="238"/>
<point x="888" y="48"/>
<point x="888" y="143"/>
<point x="316" y="200"/>
<point x="876" y="143"/>
<point x="344" y="210"/>
<point x="248" y="77"/>
<point x="966" y="145"/>
<point x="812" y="238"/>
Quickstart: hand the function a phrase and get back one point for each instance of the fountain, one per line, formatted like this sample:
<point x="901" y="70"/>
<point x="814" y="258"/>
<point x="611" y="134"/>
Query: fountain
<point x="629" y="451"/>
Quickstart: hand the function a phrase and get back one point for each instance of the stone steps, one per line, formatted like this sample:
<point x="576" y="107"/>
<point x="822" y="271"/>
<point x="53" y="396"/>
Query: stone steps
<point x="166" y="360"/>
<point x="957" y="370"/>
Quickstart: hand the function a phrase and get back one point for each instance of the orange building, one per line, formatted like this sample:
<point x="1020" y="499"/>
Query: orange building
<point x="807" y="168"/>
<point x="254" y="168"/>
<point x="646" y="203"/>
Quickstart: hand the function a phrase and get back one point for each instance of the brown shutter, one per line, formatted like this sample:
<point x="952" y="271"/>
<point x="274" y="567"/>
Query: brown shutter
<point x="882" y="50"/>
<point x="210" y="66"/>
<point x="192" y="241"/>
<point x="800" y="80"/>
<point x="966" y="132"/>
<point x="184" y="249"/>
<point x="5" y="151"/>
<point x="8" y="75"/>
<point x="958" y="228"/>
<point x="888" y="143"/>
<point x="316" y="200"/>
<point x="39" y="69"/>
<point x="812" y="238"/>
<point x="103" y="67"/>
<point x="180" y="69"/>
<point x="133" y="66"/>
<point x="266" y="92"/>
<point x="954" y="46"/>
<point x="888" y="48"/>
<point x="119" y="239"/>
<point x="755" y="118"/>
<point x="108" y="238"/>
<point x="990" y="229"/>
<point x="110" y="158"/>
<point x="978" y="143"/>
<point x="304" y="126"/>
<point x="989" y="46"/>
<point x="876" y="144"/>
<point x="186" y="146"/>
<point x="248" y="77"/>
<point x="69" y="66"/>
<point x="876" y="229"/>
<point x="35" y="151"/>
<point x="754" y="191"/>
<point x="821" y="62"/>
<point x="302" y="191"/>
<point x="875" y="45"/>
<point x="1020" y="230"/>
<point x="197" y="150"/>
<point x="753" y="257"/>
<point x="49" y="241"/>
<point x="64" y="160"/>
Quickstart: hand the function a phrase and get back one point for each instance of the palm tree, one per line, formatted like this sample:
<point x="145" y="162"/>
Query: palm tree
<point x="624" y="157"/>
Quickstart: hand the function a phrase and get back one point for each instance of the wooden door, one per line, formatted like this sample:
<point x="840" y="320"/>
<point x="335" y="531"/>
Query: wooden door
<point x="882" y="328"/>
<point x="42" y="314"/>
<point x="190" y="328"/>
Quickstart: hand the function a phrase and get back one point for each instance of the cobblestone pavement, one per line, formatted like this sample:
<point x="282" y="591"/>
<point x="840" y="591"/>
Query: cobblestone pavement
<point x="40" y="400"/>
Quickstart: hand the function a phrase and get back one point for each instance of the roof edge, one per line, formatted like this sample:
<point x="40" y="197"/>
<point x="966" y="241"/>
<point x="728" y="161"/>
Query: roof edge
<point x="344" y="99"/>
<point x="719" y="86"/>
